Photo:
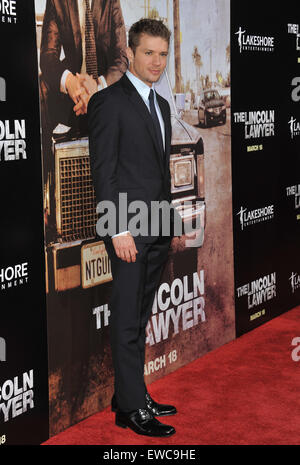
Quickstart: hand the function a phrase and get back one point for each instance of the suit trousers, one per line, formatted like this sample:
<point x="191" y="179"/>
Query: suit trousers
<point x="133" y="290"/>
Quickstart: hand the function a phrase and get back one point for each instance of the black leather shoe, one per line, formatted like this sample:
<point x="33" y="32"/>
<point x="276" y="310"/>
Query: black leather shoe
<point x="158" y="410"/>
<point x="142" y="421"/>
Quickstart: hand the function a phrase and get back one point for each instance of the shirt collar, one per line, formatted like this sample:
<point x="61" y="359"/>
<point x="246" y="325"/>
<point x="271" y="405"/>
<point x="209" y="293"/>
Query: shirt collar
<point x="142" y="88"/>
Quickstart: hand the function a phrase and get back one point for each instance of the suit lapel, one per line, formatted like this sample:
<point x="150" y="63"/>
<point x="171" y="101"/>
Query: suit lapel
<point x="97" y="12"/>
<point x="143" y="111"/>
<point x="167" y="123"/>
<point x="74" y="17"/>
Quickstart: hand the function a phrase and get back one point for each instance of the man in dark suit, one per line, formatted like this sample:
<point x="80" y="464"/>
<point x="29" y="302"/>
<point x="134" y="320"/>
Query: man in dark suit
<point x="129" y="142"/>
<point x="79" y="37"/>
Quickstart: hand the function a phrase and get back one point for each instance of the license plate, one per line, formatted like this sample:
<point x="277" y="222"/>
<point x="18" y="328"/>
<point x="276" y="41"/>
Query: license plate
<point x="95" y="265"/>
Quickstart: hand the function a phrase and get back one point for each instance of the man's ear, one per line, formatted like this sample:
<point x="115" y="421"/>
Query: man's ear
<point x="130" y="54"/>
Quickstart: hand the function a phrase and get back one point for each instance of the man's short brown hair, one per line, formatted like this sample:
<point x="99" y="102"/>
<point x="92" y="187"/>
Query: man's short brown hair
<point x="152" y="27"/>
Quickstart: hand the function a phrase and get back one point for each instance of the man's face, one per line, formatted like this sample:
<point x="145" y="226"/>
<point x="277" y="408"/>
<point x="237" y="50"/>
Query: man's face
<point x="150" y="58"/>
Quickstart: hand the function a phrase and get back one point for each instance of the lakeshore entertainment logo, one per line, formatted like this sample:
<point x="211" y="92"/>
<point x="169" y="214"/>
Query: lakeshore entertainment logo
<point x="294" y="191"/>
<point x="251" y="217"/>
<point x="2" y="350"/>
<point x="257" y="124"/>
<point x="294" y="127"/>
<point x="294" y="29"/>
<point x="12" y="140"/>
<point x="16" y="396"/>
<point x="13" y="276"/>
<point x="258" y="291"/>
<point x="8" y="13"/>
<point x="294" y="281"/>
<point x="254" y="43"/>
<point x="2" y="89"/>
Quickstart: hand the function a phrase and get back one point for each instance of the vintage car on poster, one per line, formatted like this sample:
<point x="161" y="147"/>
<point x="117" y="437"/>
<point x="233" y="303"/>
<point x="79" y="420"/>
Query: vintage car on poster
<point x="211" y="108"/>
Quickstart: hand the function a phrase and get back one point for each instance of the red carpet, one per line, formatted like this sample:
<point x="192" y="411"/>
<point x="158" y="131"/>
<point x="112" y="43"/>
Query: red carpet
<point x="244" y="393"/>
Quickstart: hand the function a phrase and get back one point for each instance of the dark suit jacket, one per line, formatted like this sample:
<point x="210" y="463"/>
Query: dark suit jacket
<point x="124" y="152"/>
<point x="61" y="28"/>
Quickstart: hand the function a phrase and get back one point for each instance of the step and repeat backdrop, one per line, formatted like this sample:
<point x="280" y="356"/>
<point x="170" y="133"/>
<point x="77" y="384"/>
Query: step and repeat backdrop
<point x="234" y="93"/>
<point x="265" y="57"/>
<point x="23" y="331"/>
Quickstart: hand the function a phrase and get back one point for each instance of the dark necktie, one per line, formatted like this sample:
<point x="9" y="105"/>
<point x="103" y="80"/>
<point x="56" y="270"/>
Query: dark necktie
<point x="156" y="122"/>
<point x="90" y="43"/>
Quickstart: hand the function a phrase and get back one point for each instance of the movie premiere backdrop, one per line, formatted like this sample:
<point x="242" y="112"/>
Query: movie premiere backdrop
<point x="265" y="49"/>
<point x="233" y="89"/>
<point x="193" y="311"/>
<point x="23" y="330"/>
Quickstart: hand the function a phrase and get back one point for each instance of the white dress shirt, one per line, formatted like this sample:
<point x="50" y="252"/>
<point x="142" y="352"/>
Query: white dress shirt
<point x="144" y="91"/>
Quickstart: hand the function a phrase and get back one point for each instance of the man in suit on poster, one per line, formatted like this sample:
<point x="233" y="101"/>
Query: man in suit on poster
<point x="80" y="38"/>
<point x="129" y="143"/>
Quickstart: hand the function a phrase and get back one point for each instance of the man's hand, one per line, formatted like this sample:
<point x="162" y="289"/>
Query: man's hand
<point x="73" y="87"/>
<point x="81" y="107"/>
<point x="88" y="82"/>
<point x="125" y="247"/>
<point x="88" y="87"/>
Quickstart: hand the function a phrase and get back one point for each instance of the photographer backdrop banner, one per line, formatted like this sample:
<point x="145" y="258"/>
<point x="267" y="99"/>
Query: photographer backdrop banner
<point x="233" y="85"/>
<point x="265" y="51"/>
<point x="193" y="311"/>
<point x="23" y="332"/>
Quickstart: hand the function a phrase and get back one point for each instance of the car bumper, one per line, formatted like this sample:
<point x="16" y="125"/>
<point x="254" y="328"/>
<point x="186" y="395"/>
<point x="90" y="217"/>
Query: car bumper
<point x="216" y="117"/>
<point x="193" y="215"/>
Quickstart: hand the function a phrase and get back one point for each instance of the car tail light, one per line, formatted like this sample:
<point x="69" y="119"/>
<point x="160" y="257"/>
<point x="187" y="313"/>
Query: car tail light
<point x="182" y="172"/>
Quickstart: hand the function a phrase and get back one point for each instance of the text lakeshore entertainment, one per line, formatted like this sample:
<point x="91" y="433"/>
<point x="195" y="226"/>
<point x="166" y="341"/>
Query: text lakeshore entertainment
<point x="254" y="43"/>
<point x="8" y="11"/>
